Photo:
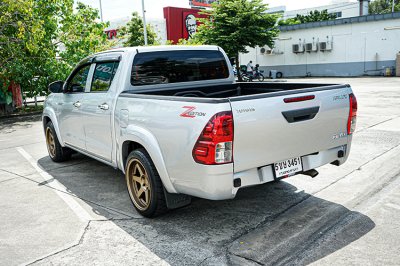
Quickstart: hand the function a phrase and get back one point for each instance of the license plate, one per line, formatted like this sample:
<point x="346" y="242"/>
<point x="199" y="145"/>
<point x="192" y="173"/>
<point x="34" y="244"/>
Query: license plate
<point x="288" y="167"/>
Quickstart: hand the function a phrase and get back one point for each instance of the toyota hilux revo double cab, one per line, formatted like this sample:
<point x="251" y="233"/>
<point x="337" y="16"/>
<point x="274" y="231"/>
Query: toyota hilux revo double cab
<point x="174" y="120"/>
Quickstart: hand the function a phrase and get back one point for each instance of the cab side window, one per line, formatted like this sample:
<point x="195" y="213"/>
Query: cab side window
<point x="78" y="82"/>
<point x="103" y="76"/>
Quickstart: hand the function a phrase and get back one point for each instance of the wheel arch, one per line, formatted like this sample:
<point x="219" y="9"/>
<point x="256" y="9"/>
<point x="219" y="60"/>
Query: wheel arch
<point x="136" y="138"/>
<point x="50" y="116"/>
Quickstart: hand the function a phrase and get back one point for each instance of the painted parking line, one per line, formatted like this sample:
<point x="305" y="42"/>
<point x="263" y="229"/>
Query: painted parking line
<point x="393" y="206"/>
<point x="60" y="189"/>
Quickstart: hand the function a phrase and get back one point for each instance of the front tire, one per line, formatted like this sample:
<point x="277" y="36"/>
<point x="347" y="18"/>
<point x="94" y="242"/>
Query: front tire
<point x="260" y="77"/>
<point x="56" y="152"/>
<point x="144" y="184"/>
<point x="245" y="78"/>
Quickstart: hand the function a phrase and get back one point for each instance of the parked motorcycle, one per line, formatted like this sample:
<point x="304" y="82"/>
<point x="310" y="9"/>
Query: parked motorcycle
<point x="256" y="75"/>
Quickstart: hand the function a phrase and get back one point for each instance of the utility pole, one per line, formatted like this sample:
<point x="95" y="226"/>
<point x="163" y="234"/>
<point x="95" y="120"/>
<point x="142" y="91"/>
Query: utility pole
<point x="101" y="12"/>
<point x="144" y="24"/>
<point x="392" y="6"/>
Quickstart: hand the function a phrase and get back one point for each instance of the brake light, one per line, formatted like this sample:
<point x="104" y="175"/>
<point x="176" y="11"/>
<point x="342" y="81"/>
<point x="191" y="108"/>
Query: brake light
<point x="299" y="99"/>
<point x="351" y="122"/>
<point x="215" y="143"/>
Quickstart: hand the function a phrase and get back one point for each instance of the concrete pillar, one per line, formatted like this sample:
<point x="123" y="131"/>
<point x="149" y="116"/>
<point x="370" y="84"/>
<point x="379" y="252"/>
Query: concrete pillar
<point x="398" y="65"/>
<point x="364" y="7"/>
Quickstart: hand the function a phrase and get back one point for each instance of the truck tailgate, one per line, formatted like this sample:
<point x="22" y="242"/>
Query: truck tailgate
<point x="268" y="130"/>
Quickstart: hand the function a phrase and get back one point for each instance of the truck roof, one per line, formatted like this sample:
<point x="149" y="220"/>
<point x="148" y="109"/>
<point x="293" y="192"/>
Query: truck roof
<point x="161" y="48"/>
<point x="145" y="49"/>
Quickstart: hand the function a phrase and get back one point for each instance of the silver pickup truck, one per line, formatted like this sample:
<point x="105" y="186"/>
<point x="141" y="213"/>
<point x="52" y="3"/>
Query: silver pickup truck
<point x="174" y="120"/>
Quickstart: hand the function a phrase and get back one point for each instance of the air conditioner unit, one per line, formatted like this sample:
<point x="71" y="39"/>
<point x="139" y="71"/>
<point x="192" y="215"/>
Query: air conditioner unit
<point x="298" y="48"/>
<point x="325" y="46"/>
<point x="265" y="51"/>
<point x="311" y="47"/>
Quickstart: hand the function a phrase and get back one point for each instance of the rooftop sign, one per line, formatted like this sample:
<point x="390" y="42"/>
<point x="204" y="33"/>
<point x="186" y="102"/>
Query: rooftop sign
<point x="202" y="3"/>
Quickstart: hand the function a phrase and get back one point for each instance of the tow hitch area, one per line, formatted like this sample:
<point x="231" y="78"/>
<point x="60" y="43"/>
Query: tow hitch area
<point x="313" y="173"/>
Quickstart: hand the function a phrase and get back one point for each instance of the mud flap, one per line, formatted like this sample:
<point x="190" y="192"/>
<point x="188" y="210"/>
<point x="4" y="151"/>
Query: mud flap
<point x="175" y="201"/>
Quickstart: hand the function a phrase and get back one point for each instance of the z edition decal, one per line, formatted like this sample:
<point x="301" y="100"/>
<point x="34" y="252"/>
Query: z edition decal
<point x="190" y="112"/>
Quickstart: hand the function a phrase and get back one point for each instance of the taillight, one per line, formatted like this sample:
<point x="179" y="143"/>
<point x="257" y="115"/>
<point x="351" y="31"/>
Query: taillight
<point x="351" y="122"/>
<point x="215" y="143"/>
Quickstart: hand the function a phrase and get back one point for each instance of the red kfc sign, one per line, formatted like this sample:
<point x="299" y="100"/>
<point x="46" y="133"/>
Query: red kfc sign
<point x="181" y="22"/>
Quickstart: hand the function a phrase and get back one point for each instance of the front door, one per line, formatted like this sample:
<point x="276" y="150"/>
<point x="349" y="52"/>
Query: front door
<point x="70" y="116"/>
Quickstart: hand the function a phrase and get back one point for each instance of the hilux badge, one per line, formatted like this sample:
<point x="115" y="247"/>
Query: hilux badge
<point x="339" y="136"/>
<point x="339" y="97"/>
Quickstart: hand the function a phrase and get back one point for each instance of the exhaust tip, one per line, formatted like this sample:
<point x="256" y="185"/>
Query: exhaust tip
<point x="312" y="172"/>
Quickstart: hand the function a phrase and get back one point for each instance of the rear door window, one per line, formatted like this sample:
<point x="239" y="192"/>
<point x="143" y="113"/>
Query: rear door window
<point x="178" y="66"/>
<point x="103" y="76"/>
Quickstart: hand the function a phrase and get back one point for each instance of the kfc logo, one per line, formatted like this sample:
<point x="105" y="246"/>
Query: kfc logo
<point x="191" y="25"/>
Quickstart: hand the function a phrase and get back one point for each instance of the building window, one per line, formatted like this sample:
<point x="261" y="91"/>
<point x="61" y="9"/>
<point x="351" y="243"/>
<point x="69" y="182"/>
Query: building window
<point x="338" y="14"/>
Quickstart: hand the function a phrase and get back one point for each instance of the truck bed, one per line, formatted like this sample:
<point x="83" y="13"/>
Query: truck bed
<point x="270" y="123"/>
<point x="236" y="90"/>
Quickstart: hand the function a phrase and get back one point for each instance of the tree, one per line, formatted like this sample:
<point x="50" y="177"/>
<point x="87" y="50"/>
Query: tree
<point x="383" y="6"/>
<point x="237" y="24"/>
<point x="133" y="32"/>
<point x="36" y="63"/>
<point x="289" y="21"/>
<point x="22" y="38"/>
<point x="31" y="34"/>
<point x="313" y="16"/>
<point x="81" y="35"/>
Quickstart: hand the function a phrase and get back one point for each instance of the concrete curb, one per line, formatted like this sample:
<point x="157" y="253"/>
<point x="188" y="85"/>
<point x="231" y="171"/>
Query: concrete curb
<point x="11" y="116"/>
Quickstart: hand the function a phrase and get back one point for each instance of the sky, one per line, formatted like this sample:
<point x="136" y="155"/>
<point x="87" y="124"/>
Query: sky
<point x="114" y="9"/>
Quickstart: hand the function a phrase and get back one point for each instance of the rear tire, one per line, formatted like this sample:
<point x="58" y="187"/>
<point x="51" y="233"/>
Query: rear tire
<point x="144" y="184"/>
<point x="56" y="152"/>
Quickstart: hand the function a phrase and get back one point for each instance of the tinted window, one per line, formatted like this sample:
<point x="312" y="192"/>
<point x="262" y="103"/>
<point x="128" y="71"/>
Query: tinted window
<point x="103" y="76"/>
<point x="78" y="81"/>
<point x="178" y="66"/>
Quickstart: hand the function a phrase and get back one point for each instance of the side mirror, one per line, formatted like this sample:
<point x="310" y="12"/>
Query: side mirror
<point x="56" y="86"/>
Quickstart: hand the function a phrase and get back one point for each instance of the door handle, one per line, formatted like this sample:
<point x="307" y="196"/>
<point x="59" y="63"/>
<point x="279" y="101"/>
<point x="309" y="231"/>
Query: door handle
<point x="103" y="106"/>
<point x="77" y="104"/>
<point x="301" y="114"/>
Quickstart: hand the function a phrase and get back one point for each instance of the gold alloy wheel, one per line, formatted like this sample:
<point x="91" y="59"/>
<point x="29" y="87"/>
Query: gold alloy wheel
<point x="139" y="186"/>
<point x="51" y="144"/>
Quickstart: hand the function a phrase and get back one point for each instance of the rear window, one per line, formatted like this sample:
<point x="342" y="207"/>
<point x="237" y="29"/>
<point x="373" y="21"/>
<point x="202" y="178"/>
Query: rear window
<point x="178" y="66"/>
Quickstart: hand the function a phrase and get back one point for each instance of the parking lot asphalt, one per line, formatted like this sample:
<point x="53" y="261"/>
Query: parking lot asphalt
<point x="78" y="212"/>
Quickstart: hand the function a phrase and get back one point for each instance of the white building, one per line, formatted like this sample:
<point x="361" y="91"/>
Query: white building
<point x="159" y="26"/>
<point x="356" y="46"/>
<point x="341" y="8"/>
<point x="344" y="9"/>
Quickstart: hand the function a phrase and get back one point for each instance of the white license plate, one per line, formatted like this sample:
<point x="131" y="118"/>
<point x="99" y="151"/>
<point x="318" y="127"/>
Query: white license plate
<point x="288" y="167"/>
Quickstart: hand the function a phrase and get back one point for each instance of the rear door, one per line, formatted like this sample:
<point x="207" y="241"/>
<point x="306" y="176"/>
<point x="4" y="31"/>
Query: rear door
<point x="97" y="110"/>
<point x="269" y="129"/>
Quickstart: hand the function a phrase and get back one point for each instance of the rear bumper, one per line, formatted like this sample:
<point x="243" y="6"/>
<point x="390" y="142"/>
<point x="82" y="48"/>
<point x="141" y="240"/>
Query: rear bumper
<point x="265" y="174"/>
<point x="218" y="185"/>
